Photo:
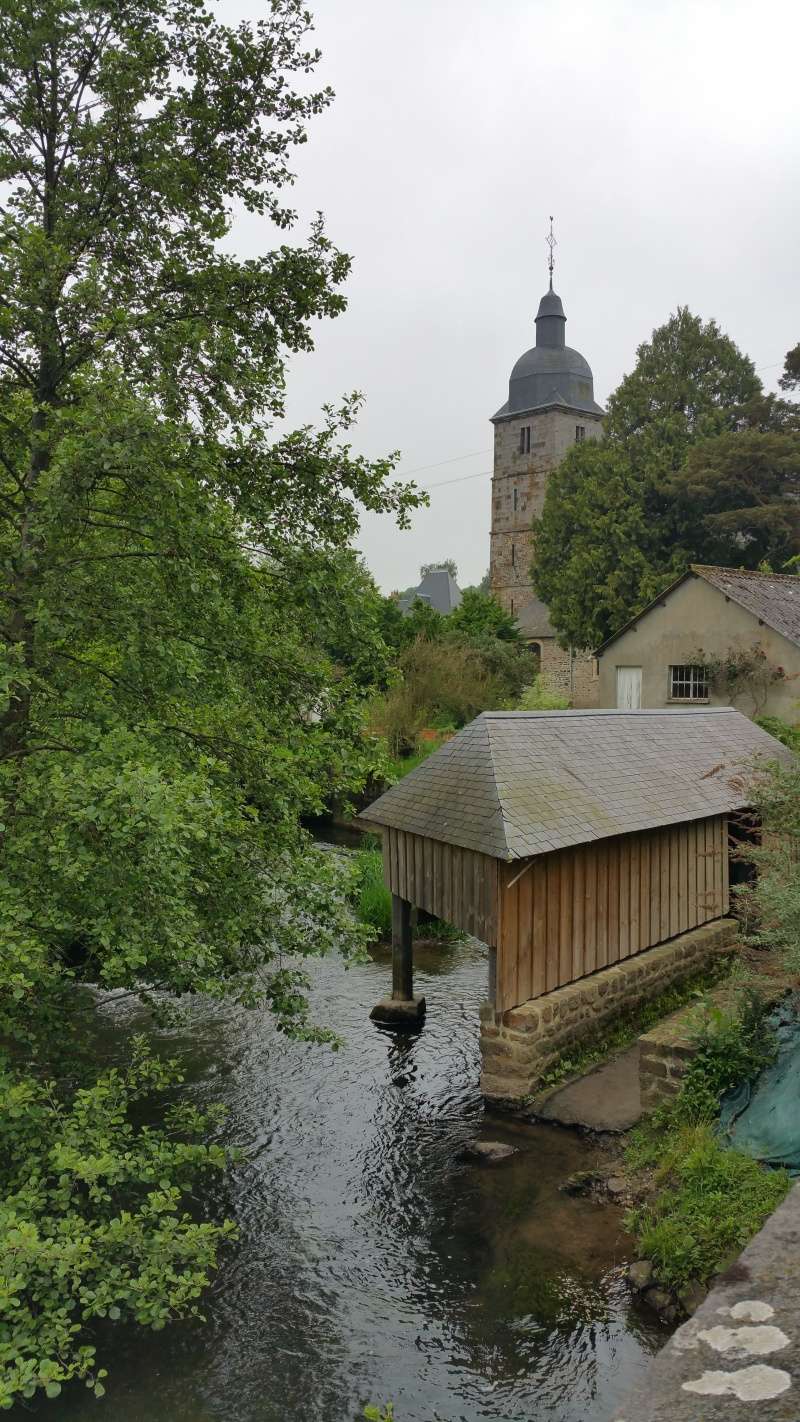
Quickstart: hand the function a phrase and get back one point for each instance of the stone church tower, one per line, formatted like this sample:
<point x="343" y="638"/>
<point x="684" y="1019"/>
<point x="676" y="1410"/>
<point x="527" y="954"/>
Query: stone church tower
<point x="550" y="407"/>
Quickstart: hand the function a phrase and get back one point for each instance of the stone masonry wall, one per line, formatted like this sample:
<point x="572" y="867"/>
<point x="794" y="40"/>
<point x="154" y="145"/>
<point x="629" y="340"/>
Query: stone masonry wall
<point x="667" y="1049"/>
<point x="518" y="1046"/>
<point x="518" y="488"/>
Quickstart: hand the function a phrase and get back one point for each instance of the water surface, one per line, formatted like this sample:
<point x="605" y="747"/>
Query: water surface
<point x="375" y="1262"/>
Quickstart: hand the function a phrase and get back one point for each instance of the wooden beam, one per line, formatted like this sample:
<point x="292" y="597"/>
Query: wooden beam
<point x="402" y="953"/>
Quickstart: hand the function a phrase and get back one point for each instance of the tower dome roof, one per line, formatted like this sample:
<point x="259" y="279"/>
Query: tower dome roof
<point x="551" y="372"/>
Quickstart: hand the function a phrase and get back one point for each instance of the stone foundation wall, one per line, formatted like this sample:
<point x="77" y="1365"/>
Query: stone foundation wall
<point x="518" y="1046"/>
<point x="667" y="1049"/>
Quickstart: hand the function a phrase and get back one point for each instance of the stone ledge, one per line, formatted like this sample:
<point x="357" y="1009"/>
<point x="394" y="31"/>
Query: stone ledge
<point x="518" y="1046"/>
<point x="739" y="1354"/>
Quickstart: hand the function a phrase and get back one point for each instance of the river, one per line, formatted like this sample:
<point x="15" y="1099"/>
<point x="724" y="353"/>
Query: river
<point x="375" y="1263"/>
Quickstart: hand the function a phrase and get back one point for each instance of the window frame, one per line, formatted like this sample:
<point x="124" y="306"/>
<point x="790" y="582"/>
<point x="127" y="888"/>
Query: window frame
<point x="580" y="434"/>
<point x="693" y="679"/>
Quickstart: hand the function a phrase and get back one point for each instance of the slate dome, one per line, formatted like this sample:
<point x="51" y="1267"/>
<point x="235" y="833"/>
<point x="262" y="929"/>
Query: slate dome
<point x="551" y="372"/>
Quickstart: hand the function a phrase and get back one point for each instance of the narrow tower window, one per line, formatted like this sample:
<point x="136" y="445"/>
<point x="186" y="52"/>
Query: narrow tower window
<point x="515" y="498"/>
<point x="525" y="440"/>
<point x="580" y="434"/>
<point x="513" y="554"/>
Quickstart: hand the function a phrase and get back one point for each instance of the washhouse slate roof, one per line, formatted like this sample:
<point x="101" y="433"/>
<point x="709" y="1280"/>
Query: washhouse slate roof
<point x="774" y="598"/>
<point x="517" y="783"/>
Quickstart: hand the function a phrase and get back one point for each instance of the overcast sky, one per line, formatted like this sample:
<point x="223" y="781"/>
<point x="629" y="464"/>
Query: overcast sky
<point x="662" y="134"/>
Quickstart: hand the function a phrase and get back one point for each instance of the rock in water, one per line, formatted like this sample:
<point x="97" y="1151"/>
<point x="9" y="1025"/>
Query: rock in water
<point x="640" y="1274"/>
<point x="490" y="1151"/>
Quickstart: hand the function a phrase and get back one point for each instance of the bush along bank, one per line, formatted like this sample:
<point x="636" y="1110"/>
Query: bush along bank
<point x="372" y="900"/>
<point x="699" y="1202"/>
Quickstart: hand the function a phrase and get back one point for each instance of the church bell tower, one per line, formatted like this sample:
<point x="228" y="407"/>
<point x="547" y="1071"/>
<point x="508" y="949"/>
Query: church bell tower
<point x="550" y="407"/>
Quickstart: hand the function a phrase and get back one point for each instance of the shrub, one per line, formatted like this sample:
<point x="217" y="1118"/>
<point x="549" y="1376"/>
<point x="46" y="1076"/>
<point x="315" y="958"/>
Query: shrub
<point x="539" y="696"/>
<point x="373" y="901"/>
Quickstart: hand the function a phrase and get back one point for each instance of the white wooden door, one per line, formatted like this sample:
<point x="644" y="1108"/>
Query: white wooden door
<point x="629" y="688"/>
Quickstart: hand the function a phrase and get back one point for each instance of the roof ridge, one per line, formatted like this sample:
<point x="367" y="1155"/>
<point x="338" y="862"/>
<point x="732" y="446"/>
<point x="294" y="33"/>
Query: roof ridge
<point x="504" y="818"/>
<point x="742" y="572"/>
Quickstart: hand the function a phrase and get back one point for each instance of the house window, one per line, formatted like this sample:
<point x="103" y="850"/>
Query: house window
<point x="525" y="440"/>
<point x="688" y="683"/>
<point x="580" y="434"/>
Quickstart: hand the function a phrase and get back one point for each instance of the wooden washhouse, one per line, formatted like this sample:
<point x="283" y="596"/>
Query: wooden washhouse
<point x="566" y="840"/>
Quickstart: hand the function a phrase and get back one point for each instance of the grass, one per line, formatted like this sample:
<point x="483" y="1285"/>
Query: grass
<point x="706" y="1200"/>
<point x="373" y="901"/>
<point x="710" y="1201"/>
<point x="629" y="1026"/>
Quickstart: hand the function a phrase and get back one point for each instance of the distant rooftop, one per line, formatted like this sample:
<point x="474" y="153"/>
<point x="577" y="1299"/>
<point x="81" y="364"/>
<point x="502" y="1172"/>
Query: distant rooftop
<point x="438" y="588"/>
<point x="515" y="784"/>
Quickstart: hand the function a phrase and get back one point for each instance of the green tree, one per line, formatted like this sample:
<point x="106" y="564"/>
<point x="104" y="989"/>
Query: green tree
<point x="594" y="557"/>
<point x="689" y="383"/>
<point x="480" y="615"/>
<point x="613" y="530"/>
<point x="736" y="500"/>
<point x="449" y="564"/>
<point x="790" y="379"/>
<point x="187" y="644"/>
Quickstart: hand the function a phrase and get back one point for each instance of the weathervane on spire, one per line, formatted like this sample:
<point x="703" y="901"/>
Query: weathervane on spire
<point x="551" y="242"/>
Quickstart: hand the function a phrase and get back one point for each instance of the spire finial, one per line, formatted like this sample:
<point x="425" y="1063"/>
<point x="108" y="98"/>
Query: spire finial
<point x="551" y="242"/>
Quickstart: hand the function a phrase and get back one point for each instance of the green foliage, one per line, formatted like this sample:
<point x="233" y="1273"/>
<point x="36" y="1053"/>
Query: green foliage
<point x="790" y="379"/>
<point x="786" y="734"/>
<point x="95" y="1219"/>
<point x="479" y="616"/>
<point x="697" y="465"/>
<point x="709" y="1200"/>
<point x="379" y="1414"/>
<point x="716" y="1200"/>
<point x="447" y="681"/>
<point x="539" y="697"/>
<point x="595" y="559"/>
<point x="734" y="501"/>
<point x="372" y="899"/>
<point x="772" y="902"/>
<point x="187" y="643"/>
<point x="449" y="564"/>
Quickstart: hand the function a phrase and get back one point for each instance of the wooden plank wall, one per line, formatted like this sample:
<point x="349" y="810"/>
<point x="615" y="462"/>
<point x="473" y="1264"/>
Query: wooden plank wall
<point x="577" y="910"/>
<point x="455" y="884"/>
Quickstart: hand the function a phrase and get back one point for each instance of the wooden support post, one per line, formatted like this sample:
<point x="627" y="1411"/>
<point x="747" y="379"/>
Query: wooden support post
<point x="402" y="951"/>
<point x="402" y="1009"/>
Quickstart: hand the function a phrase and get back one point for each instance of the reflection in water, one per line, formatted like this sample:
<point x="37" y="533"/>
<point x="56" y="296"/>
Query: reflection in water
<point x="374" y="1262"/>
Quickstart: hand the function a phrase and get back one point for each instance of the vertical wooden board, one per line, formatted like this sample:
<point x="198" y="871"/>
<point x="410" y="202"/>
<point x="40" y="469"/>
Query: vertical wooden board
<point x="700" y="861"/>
<point x="578" y="910"/>
<point x="711" y="886"/>
<point x="674" y="882"/>
<point x="402" y="887"/>
<point x="553" y="898"/>
<point x="655" y="886"/>
<point x="726" y="867"/>
<point x="477" y="879"/>
<point x="601" y="903"/>
<point x="683" y="878"/>
<point x="614" y="883"/>
<point x="436" y="877"/>
<point x="565" y="916"/>
<point x="664" y="891"/>
<point x="718" y="863"/>
<point x="418" y="869"/>
<point x="386" y="847"/>
<point x="618" y="909"/>
<point x="691" y="872"/>
<point x="539" y="935"/>
<point x="467" y="879"/>
<point x="644" y="890"/>
<point x="590" y="909"/>
<point x="634" y="892"/>
<point x="508" y="957"/>
<point x="624" y="899"/>
<point x="525" y="934"/>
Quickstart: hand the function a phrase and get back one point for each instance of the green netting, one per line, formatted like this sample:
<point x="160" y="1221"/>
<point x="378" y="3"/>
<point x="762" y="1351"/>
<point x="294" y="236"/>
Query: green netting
<point x="762" y="1118"/>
